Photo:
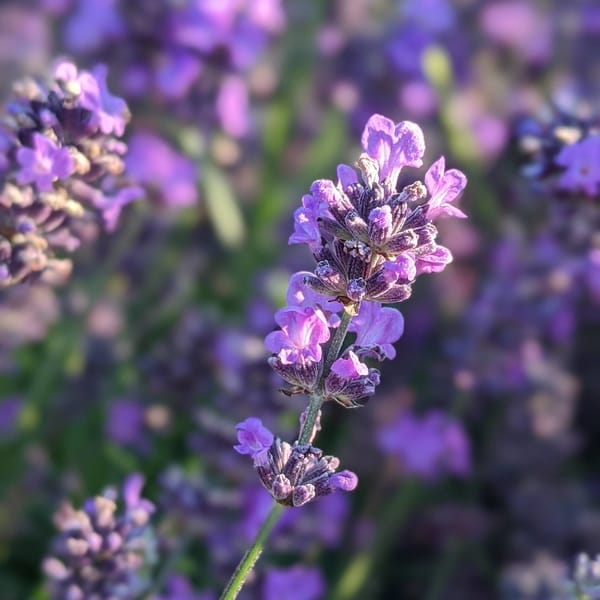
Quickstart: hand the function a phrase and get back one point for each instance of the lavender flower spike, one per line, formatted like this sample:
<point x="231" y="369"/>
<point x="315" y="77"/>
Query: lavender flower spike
<point x="103" y="552"/>
<point x="60" y="166"/>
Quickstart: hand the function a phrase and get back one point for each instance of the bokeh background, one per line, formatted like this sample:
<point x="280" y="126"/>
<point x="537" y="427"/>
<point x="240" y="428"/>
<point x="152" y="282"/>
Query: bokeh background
<point x="478" y="458"/>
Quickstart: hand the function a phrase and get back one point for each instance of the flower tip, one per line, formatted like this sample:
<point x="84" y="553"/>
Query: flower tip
<point x="344" y="480"/>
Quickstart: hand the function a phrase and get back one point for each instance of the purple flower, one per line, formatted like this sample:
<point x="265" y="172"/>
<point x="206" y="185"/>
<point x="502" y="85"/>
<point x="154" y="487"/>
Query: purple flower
<point x="153" y="162"/>
<point x="232" y="106"/>
<point x="179" y="588"/>
<point x="582" y="163"/>
<point x="44" y="163"/>
<point x="293" y="583"/>
<point x="100" y="539"/>
<point x="93" y="24"/>
<point x="314" y="206"/>
<point x="254" y="439"/>
<point x="433" y="262"/>
<point x="10" y="409"/>
<point x="393" y="146"/>
<point x="349" y="367"/>
<point x="176" y="72"/>
<point x="428" y="446"/>
<point x="350" y="382"/>
<point x="303" y="330"/>
<point x="444" y="187"/>
<point x="125" y="422"/>
<point x="110" y="206"/>
<point x="344" y="480"/>
<point x="377" y="328"/>
<point x="299" y="294"/>
<point x="109" y="113"/>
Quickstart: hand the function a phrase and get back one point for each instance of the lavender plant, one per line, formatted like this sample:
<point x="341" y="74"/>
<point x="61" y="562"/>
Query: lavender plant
<point x="101" y="552"/>
<point x="371" y="239"/>
<point x="60" y="171"/>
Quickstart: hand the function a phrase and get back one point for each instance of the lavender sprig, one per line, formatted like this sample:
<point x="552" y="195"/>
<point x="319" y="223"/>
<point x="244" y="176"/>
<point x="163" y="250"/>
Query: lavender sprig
<point x="101" y="552"/>
<point x="370" y="241"/>
<point x="60" y="171"/>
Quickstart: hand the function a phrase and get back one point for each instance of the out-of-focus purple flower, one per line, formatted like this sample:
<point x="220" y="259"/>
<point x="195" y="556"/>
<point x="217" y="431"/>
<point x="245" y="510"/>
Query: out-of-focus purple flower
<point x="519" y="25"/>
<point x="582" y="166"/>
<point x="436" y="16"/>
<point x="103" y="552"/>
<point x="293" y="583"/>
<point x="232" y="106"/>
<point x="43" y="163"/>
<point x="254" y="439"/>
<point x="393" y="146"/>
<point x="154" y="163"/>
<point x="178" y="587"/>
<point x="377" y="328"/>
<point x="592" y="274"/>
<point x="10" y="409"/>
<point x="444" y="187"/>
<point x="125" y="422"/>
<point x="92" y="25"/>
<point x="175" y="72"/>
<point x="61" y="172"/>
<point x="303" y="330"/>
<point x="110" y="111"/>
<point x="111" y="205"/>
<point x="428" y="446"/>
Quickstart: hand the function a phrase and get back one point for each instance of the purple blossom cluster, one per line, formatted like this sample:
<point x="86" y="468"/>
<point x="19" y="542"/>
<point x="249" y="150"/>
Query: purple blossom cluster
<point x="101" y="551"/>
<point x="429" y="447"/>
<point x="167" y="48"/>
<point x="562" y="152"/>
<point x="371" y="240"/>
<point x="60" y="171"/>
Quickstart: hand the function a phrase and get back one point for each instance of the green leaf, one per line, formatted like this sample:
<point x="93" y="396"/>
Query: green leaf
<point x="222" y="207"/>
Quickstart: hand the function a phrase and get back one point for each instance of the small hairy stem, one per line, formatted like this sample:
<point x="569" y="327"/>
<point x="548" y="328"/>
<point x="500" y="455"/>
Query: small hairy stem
<point x="316" y="399"/>
<point x="336" y="345"/>
<point x="236" y="583"/>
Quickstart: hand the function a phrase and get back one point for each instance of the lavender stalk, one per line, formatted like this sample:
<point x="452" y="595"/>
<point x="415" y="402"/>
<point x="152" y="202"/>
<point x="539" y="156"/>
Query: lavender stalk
<point x="370" y="241"/>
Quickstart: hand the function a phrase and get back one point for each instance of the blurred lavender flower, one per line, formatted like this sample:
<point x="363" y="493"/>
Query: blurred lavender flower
<point x="102" y="552"/>
<point x="430" y="446"/>
<point x="586" y="579"/>
<point x="170" y="176"/>
<point x="188" y="54"/>
<point x="179" y="588"/>
<point x="10" y="409"/>
<point x="61" y="170"/>
<point x="562" y="150"/>
<point x="293" y="583"/>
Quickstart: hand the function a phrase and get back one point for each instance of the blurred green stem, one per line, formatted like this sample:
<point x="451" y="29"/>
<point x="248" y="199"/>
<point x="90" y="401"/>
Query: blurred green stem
<point x="249" y="559"/>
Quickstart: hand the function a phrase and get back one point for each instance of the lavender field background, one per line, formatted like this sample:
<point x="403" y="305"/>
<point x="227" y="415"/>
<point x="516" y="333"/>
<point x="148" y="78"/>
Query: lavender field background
<point x="136" y="295"/>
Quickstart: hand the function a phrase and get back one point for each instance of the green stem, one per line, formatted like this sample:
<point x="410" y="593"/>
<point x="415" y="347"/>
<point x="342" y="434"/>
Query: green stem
<point x="249" y="559"/>
<point x="336" y="345"/>
<point x="316" y="399"/>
